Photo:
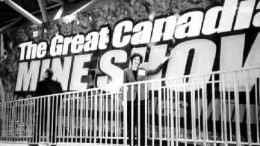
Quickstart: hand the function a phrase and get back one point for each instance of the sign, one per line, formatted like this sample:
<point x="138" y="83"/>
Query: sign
<point x="198" y="41"/>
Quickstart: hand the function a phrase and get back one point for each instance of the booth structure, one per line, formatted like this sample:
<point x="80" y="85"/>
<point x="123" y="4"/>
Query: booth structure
<point x="206" y="93"/>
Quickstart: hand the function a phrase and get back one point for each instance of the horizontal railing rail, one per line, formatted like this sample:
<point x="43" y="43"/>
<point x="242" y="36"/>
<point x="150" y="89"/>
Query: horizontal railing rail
<point x="220" y="108"/>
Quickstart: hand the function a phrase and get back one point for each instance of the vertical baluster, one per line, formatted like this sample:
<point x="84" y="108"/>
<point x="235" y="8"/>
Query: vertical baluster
<point x="153" y="115"/>
<point x="214" y="109"/>
<point x="125" y="110"/>
<point x="100" y="96"/>
<point x="185" y="110"/>
<point x="204" y="107"/>
<point x="257" y="103"/>
<point x="160" y="116"/>
<point x="172" y="111"/>
<point x="225" y="108"/>
<point x="76" y="116"/>
<point x="69" y="109"/>
<point x="87" y="115"/>
<point x="178" y="115"/>
<point x="112" y="118"/>
<point x="60" y="125"/>
<point x="95" y="121"/>
<point x="107" y="123"/>
<point x="193" y="113"/>
<point x="238" y="140"/>
<point x="229" y="110"/>
<point x="248" y="111"/>
<point x="168" y="116"/>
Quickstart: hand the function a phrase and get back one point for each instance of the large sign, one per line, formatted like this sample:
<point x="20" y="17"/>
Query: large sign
<point x="198" y="41"/>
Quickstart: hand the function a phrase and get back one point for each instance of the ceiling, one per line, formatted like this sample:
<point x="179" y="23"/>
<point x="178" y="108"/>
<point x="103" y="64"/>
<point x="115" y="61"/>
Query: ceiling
<point x="9" y="15"/>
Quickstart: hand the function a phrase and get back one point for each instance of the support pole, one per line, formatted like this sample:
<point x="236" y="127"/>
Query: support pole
<point x="59" y="13"/>
<point x="43" y="10"/>
<point x="22" y="11"/>
<point x="10" y="24"/>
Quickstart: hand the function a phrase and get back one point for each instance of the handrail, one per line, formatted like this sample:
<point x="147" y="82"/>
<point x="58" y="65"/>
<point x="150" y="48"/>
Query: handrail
<point x="200" y="113"/>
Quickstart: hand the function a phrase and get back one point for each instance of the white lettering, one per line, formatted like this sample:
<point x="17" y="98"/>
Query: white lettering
<point x="256" y="20"/>
<point x="77" y="43"/>
<point x="27" y="76"/>
<point x="204" y="55"/>
<point x="109" y="68"/>
<point x="66" y="46"/>
<point x="244" y="14"/>
<point x="253" y="56"/>
<point x="120" y="38"/>
<point x="92" y="42"/>
<point x="56" y="45"/>
<point x="45" y="64"/>
<point x="79" y="71"/>
<point x="23" y="47"/>
<point x="232" y="46"/>
<point x="41" y="49"/>
<point x="189" y="25"/>
<point x="142" y="33"/>
<point x="62" y="71"/>
<point x="103" y="38"/>
<point x="226" y="14"/>
<point x="170" y="24"/>
<point x="30" y="50"/>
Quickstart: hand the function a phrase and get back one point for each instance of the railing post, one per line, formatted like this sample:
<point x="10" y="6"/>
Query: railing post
<point x="214" y="108"/>
<point x="138" y="113"/>
<point x="204" y="107"/>
<point x="95" y="117"/>
<point x="60" y="125"/>
<point x="100" y="100"/>
<point x="248" y="111"/>
<point x="224" y="108"/>
<point x="153" y="115"/>
<point x="185" y="109"/>
<point x="238" y="141"/>
<point x="146" y="113"/>
<point x="48" y="120"/>
<point x="124" y="104"/>
<point x="193" y="110"/>
<point x="160" y="116"/>
<point x="257" y="103"/>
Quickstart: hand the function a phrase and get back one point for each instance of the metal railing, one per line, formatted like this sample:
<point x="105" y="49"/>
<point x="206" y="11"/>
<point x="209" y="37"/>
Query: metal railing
<point x="219" y="109"/>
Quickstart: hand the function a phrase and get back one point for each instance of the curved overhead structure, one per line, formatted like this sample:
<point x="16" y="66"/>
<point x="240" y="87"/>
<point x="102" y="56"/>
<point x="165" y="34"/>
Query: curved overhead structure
<point x="23" y="11"/>
<point x="13" y="11"/>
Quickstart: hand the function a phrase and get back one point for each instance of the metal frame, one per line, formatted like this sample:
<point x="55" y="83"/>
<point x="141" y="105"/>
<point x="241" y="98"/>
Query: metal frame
<point x="22" y="11"/>
<point x="28" y="15"/>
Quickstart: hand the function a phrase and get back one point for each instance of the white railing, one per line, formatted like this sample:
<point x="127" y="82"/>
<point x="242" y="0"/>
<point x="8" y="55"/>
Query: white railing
<point x="221" y="108"/>
<point x="91" y="116"/>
